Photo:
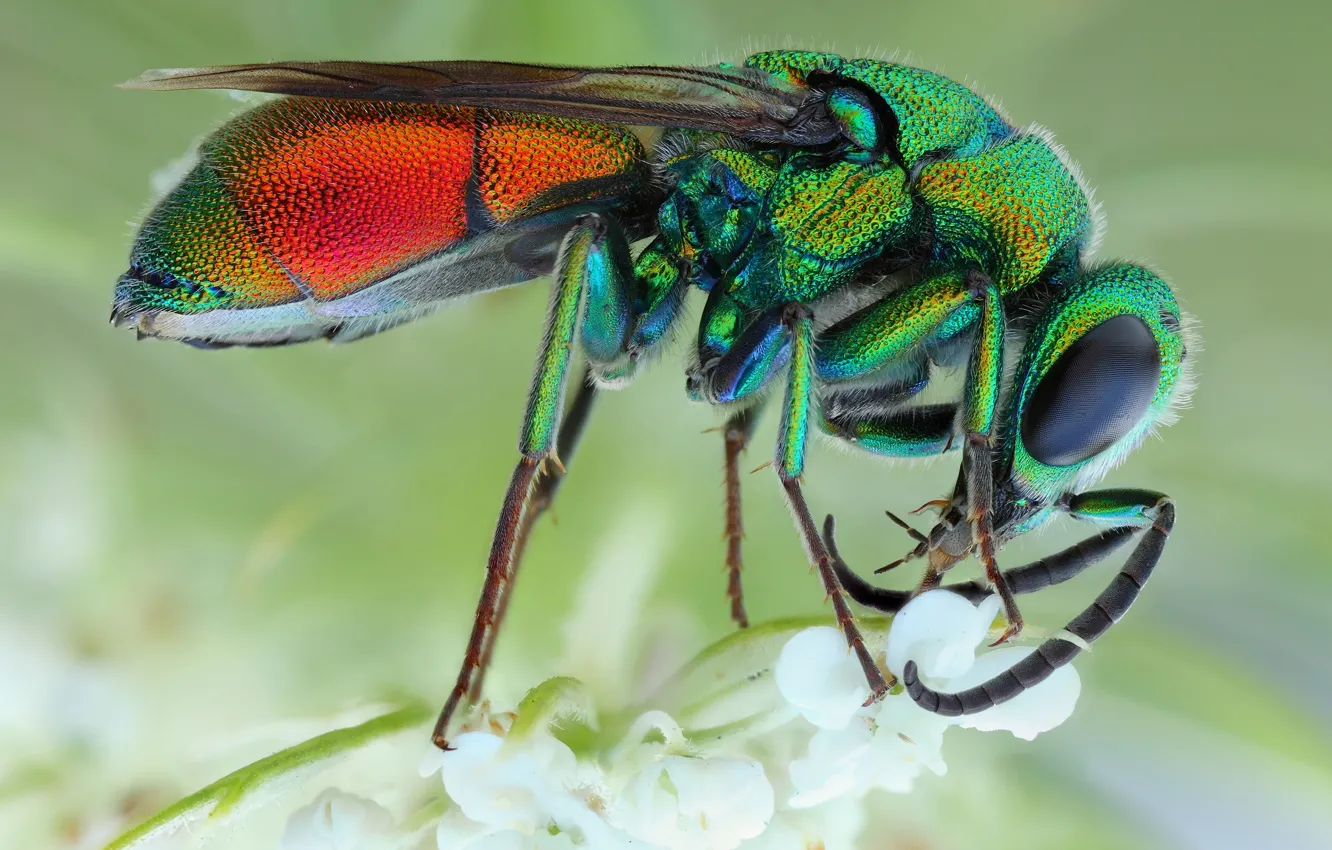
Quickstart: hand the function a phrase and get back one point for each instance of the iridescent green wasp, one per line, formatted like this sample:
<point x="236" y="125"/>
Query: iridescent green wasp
<point x="858" y="227"/>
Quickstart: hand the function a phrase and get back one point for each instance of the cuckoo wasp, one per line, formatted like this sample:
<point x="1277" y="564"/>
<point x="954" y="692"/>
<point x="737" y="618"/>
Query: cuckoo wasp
<point x="859" y="228"/>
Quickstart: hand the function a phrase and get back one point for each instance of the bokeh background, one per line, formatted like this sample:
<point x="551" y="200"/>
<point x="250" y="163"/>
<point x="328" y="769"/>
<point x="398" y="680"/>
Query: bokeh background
<point x="196" y="545"/>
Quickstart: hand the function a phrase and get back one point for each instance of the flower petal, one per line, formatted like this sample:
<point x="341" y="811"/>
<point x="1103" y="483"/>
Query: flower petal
<point x="336" y="820"/>
<point x="832" y="766"/>
<point x="908" y="740"/>
<point x="729" y="795"/>
<point x="817" y="674"/>
<point x="1037" y="709"/>
<point x="684" y="803"/>
<point x="940" y="631"/>
<point x="502" y="788"/>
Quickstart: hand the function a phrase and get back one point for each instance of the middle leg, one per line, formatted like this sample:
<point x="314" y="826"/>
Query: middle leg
<point x="790" y="465"/>
<point x="737" y="431"/>
<point x="980" y="401"/>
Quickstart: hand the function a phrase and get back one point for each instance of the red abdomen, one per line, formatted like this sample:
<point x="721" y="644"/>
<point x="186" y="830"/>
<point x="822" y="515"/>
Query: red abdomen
<point x="318" y="199"/>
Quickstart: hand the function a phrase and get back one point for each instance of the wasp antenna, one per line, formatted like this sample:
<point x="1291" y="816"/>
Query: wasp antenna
<point x="829" y="535"/>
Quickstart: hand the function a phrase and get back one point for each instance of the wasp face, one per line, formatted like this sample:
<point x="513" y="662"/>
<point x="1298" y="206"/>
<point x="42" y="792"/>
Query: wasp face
<point x="1103" y="367"/>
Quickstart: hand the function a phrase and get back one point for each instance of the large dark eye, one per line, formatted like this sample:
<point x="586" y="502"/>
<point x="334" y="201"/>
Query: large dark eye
<point x="1094" y="394"/>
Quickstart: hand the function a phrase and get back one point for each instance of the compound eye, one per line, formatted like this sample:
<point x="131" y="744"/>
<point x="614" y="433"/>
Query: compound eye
<point x="1095" y="393"/>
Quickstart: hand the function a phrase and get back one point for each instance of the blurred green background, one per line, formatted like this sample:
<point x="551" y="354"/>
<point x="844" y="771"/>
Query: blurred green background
<point x="199" y="543"/>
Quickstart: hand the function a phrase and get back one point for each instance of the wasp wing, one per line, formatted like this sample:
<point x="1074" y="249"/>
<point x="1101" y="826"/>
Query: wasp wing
<point x="743" y="102"/>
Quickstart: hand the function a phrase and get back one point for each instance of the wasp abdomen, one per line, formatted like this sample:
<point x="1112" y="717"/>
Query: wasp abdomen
<point x="304" y="200"/>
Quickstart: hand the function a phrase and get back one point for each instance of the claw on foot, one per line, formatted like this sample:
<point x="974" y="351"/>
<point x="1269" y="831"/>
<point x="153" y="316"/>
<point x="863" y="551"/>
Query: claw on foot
<point x="939" y="505"/>
<point x="1013" y="632"/>
<point x="879" y="693"/>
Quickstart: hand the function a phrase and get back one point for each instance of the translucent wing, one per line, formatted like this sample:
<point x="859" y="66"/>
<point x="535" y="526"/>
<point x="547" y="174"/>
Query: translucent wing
<point x="743" y="102"/>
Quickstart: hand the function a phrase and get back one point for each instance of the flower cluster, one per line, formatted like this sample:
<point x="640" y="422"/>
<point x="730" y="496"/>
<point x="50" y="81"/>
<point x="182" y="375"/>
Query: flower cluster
<point x="768" y="746"/>
<point x="660" y="794"/>
<point x="888" y="744"/>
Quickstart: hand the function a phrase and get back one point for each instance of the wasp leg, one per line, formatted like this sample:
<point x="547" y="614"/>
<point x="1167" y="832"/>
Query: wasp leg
<point x="790" y="464"/>
<point x="980" y="399"/>
<point x="875" y="419"/>
<point x="888" y="334"/>
<point x="539" y="501"/>
<point x="1130" y="509"/>
<point x="737" y="432"/>
<point x="1038" y="575"/>
<point x="587" y="265"/>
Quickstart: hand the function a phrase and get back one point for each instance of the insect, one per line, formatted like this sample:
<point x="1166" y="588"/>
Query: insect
<point x="861" y="229"/>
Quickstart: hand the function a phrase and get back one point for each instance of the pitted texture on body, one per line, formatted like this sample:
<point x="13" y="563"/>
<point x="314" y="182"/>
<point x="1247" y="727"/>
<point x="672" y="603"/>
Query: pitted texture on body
<point x="1013" y="211"/>
<point x="523" y="157"/>
<point x="826" y="219"/>
<point x="934" y="114"/>
<point x="197" y="252"/>
<point x="342" y="193"/>
<point x="325" y="197"/>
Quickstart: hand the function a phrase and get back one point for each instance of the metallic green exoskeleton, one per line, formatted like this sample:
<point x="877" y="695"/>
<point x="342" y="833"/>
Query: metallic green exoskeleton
<point x="859" y="227"/>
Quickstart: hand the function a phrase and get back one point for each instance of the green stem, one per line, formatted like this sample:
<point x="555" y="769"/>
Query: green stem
<point x="240" y="790"/>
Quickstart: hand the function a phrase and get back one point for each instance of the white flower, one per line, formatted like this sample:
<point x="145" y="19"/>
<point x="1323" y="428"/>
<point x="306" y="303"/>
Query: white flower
<point x="885" y="746"/>
<point x="1031" y="712"/>
<point x="940" y="631"/>
<point x="832" y="826"/>
<point x="705" y="764"/>
<point x="684" y="803"/>
<point x="336" y="820"/>
<point x="889" y="744"/>
<point x="821" y="677"/>
<point x="524" y="790"/>
<point x="507" y="788"/>
<point x="456" y="832"/>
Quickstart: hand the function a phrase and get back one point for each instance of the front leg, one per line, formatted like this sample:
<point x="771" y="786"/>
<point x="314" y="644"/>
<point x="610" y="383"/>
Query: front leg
<point x="890" y="335"/>
<point x="979" y="402"/>
<point x="790" y="465"/>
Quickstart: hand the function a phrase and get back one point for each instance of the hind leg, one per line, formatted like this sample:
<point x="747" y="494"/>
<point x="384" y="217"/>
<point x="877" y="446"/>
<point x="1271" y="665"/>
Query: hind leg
<point x="592" y="298"/>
